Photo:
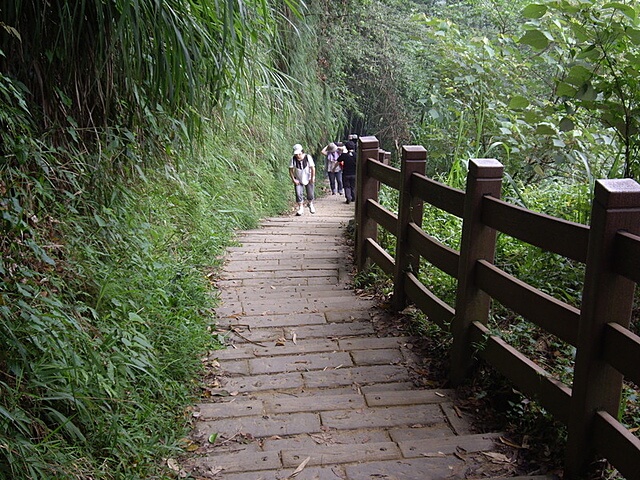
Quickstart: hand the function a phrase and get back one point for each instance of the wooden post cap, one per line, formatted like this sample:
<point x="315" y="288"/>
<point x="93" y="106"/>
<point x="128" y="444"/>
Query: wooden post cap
<point x="369" y="142"/>
<point x="414" y="153"/>
<point x="485" y="168"/>
<point x="617" y="193"/>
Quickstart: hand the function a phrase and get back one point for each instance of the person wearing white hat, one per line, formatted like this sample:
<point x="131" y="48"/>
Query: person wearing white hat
<point x="302" y="170"/>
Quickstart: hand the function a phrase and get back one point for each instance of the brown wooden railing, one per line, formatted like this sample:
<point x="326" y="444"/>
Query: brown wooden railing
<point x="606" y="350"/>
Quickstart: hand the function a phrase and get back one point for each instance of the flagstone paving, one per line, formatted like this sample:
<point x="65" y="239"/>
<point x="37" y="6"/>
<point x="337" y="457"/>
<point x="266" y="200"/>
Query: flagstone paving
<point x="306" y="388"/>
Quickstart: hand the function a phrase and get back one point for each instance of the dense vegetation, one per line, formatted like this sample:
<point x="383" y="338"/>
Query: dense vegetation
<point x="137" y="136"/>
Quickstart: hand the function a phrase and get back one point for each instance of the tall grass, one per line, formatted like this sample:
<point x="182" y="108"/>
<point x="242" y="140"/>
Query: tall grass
<point x="121" y="184"/>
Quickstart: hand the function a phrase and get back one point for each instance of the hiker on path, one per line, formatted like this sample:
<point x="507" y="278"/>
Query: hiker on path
<point x="334" y="170"/>
<point x="303" y="174"/>
<point x="348" y="162"/>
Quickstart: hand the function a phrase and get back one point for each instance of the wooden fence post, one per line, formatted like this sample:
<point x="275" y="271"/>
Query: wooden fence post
<point x="607" y="297"/>
<point x="478" y="243"/>
<point x="366" y="188"/>
<point x="414" y="159"/>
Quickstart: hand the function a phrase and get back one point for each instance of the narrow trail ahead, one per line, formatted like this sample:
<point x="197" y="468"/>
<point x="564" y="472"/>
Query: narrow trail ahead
<point x="306" y="388"/>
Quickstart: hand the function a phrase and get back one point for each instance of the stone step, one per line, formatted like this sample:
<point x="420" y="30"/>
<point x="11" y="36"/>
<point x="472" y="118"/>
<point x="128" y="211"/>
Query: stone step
<point x="305" y="387"/>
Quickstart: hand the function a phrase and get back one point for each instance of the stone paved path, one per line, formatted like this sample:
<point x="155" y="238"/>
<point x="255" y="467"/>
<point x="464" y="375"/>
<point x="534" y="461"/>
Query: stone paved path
<point x="306" y="389"/>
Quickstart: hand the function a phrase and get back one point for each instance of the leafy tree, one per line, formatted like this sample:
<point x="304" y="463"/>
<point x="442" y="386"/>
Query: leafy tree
<point x="595" y="48"/>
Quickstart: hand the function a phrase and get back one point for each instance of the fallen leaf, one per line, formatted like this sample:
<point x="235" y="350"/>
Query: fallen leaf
<point x="433" y="454"/>
<point x="173" y="464"/>
<point x="509" y="443"/>
<point x="300" y="467"/>
<point x="219" y="393"/>
<point x="192" y="448"/>
<point x="213" y="437"/>
<point x="440" y="394"/>
<point x="294" y="339"/>
<point x="281" y="342"/>
<point x="498" y="457"/>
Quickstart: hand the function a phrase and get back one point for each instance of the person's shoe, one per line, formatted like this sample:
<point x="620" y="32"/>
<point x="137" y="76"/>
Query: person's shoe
<point x="300" y="210"/>
<point x="340" y="192"/>
<point x="348" y="201"/>
<point x="312" y="209"/>
<point x="333" y="193"/>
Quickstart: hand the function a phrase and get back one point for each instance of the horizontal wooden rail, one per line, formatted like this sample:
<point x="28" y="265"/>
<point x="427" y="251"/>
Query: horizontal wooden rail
<point x="435" y="309"/>
<point x="380" y="257"/>
<point x="385" y="174"/>
<point x="618" y="445"/>
<point x="569" y="239"/>
<point x="554" y="316"/>
<point x="387" y="219"/>
<point x="621" y="349"/>
<point x="626" y="259"/>
<point x="606" y="350"/>
<point x="531" y="379"/>
<point x="436" y="253"/>
<point x="440" y="196"/>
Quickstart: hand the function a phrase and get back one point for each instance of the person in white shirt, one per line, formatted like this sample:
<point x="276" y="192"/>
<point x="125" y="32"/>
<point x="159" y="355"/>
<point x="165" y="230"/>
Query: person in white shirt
<point x="302" y="170"/>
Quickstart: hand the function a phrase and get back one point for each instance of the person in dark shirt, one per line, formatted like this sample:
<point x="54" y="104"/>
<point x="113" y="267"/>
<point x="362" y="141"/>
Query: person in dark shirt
<point x="348" y="162"/>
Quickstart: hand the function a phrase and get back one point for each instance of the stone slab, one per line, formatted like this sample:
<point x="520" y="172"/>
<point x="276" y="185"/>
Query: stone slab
<point x="236" y="407"/>
<point x="356" y="375"/>
<point x="386" y="387"/>
<point x="332" y="330"/>
<point x="374" y="342"/>
<point x="412" y="397"/>
<point x="449" y="445"/>
<point x="459" y="423"/>
<point x="383" y="356"/>
<point x="328" y="280"/>
<point x="335" y="472"/>
<point x="301" y="347"/>
<point x="239" y="462"/>
<point x="310" y="268"/>
<point x="340" y="302"/>
<point x="255" y="383"/>
<point x="299" y="363"/>
<point x="415" y="468"/>
<point x="261" y="426"/>
<point x="267" y="321"/>
<point x="235" y="367"/>
<point x="262" y="336"/>
<point x="232" y="353"/>
<point x="383" y="417"/>
<point x="438" y="430"/>
<point x="336" y="454"/>
<point x="330" y="437"/>
<point x="349" y="315"/>
<point x="313" y="403"/>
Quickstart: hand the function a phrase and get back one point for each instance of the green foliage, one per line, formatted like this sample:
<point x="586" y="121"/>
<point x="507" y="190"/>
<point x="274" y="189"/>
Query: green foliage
<point x="121" y="184"/>
<point x="595" y="48"/>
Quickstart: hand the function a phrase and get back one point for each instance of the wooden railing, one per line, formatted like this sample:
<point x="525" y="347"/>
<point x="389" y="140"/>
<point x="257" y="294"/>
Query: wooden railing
<point x="606" y="350"/>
